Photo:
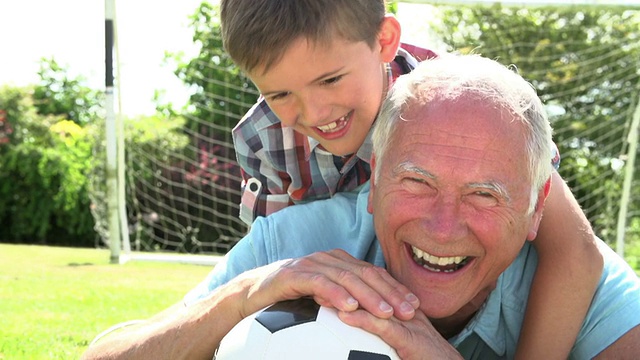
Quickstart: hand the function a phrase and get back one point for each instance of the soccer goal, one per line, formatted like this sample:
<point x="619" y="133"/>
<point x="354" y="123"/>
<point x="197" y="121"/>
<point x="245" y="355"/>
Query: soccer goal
<point x="182" y="188"/>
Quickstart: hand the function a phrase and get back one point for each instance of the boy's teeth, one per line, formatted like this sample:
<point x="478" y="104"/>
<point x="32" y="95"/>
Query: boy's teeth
<point x="331" y="126"/>
<point x="427" y="258"/>
<point x="328" y="127"/>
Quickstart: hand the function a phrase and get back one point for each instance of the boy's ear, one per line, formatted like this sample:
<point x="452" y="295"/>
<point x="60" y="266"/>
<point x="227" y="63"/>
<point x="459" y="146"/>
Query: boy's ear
<point x="389" y="37"/>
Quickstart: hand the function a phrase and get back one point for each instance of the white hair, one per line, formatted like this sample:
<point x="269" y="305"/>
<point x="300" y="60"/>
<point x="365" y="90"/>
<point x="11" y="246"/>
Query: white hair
<point x="450" y="76"/>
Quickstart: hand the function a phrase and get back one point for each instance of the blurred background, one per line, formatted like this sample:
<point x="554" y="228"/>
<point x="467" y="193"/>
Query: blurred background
<point x="145" y="169"/>
<point x="177" y="96"/>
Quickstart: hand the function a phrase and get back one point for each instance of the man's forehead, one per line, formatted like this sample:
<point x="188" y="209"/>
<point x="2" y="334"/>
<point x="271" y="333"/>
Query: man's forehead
<point x="465" y="137"/>
<point x="462" y="118"/>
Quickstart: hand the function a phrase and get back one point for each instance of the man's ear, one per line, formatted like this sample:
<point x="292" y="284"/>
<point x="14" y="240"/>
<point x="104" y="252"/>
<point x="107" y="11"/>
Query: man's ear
<point x="537" y="213"/>
<point x="372" y="184"/>
<point x="389" y="38"/>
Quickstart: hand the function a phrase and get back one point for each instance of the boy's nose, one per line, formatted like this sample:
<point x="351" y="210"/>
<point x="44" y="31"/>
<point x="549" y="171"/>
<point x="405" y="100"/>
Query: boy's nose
<point x="314" y="112"/>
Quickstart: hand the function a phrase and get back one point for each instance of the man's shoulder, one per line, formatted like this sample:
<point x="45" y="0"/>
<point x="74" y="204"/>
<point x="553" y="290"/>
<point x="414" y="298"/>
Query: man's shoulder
<point x="341" y="221"/>
<point x="614" y="310"/>
<point x="341" y="208"/>
<point x="616" y="272"/>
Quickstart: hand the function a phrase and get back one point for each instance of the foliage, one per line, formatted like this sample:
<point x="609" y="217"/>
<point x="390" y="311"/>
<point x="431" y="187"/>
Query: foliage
<point x="186" y="174"/>
<point x="150" y="133"/>
<point x="5" y="128"/>
<point x="166" y="187"/>
<point x="220" y="89"/>
<point x="554" y="48"/>
<point x="632" y="248"/>
<point x="43" y="171"/>
<point x="222" y="94"/>
<point x="149" y="140"/>
<point x="392" y="7"/>
<point x="58" y="94"/>
<point x="203" y="175"/>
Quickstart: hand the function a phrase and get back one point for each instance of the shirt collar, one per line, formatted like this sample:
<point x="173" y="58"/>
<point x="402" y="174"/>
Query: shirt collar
<point x="486" y="325"/>
<point x="364" y="153"/>
<point x="264" y="115"/>
<point x="366" y="149"/>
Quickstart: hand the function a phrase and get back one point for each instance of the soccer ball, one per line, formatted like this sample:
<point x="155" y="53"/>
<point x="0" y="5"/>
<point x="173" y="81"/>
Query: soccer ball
<point x="300" y="329"/>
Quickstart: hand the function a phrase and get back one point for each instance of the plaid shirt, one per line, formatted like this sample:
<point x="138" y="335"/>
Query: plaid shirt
<point x="281" y="167"/>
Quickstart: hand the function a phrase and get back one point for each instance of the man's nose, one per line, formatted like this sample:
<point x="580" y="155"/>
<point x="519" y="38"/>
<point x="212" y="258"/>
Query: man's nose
<point x="444" y="222"/>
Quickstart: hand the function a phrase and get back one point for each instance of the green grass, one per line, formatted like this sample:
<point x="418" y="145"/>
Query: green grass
<point x="54" y="301"/>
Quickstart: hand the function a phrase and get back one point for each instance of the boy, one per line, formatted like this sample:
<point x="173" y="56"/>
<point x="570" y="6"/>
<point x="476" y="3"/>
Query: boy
<point x="323" y="68"/>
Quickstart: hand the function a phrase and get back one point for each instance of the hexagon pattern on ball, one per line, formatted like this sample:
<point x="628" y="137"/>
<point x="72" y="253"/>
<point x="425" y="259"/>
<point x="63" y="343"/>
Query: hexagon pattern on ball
<point x="300" y="330"/>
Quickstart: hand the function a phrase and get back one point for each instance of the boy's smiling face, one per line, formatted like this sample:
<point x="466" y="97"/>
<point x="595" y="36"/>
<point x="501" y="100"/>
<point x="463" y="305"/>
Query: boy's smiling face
<point x="330" y="92"/>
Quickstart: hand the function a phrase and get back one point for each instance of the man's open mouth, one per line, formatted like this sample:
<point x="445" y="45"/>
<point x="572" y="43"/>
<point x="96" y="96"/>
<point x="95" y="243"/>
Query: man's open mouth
<point x="434" y="263"/>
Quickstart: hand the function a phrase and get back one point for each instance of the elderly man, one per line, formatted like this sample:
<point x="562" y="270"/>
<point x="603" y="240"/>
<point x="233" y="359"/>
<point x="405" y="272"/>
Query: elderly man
<point x="461" y="173"/>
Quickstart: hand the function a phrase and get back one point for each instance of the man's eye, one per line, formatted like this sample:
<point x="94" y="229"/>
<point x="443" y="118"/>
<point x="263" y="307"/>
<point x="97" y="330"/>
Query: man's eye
<point x="417" y="180"/>
<point x="484" y="198"/>
<point x="483" y="194"/>
<point x="417" y="185"/>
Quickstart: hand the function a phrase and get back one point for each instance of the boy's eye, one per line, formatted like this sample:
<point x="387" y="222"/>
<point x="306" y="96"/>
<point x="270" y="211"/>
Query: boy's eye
<point x="332" y="80"/>
<point x="278" y="96"/>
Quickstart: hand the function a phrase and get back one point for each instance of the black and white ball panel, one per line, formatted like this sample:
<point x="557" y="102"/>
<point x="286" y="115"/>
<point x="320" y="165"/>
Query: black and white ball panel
<point x="288" y="313"/>
<point x="300" y="330"/>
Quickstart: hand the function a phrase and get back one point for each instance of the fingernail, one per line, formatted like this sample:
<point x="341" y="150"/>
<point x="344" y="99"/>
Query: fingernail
<point x="385" y="307"/>
<point x="412" y="299"/>
<point x="351" y="302"/>
<point x="405" y="307"/>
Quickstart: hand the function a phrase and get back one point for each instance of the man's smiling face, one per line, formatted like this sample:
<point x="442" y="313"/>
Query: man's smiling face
<point x="451" y="203"/>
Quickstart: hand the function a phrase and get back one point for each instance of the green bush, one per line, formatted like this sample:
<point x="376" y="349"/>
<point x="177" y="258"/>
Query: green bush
<point x="632" y="244"/>
<point x="43" y="183"/>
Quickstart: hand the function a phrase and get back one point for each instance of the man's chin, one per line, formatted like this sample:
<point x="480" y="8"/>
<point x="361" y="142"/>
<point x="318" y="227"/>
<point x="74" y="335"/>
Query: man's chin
<point x="442" y="308"/>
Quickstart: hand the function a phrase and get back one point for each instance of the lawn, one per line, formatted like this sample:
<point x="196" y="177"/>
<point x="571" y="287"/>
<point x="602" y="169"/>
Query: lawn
<point x="53" y="301"/>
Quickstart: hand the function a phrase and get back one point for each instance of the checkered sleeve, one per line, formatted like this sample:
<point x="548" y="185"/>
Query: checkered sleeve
<point x="264" y="186"/>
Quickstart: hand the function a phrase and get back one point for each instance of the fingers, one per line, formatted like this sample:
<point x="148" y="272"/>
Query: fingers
<point x="338" y="280"/>
<point x="412" y="339"/>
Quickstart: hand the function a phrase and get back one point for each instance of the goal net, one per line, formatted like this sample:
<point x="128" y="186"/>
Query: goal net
<point x="183" y="183"/>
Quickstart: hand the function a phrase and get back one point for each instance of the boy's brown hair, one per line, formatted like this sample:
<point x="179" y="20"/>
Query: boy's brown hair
<point x="256" y="33"/>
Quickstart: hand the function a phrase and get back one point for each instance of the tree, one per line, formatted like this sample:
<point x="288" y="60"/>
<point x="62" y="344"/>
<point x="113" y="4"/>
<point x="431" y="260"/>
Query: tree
<point x="584" y="62"/>
<point x="43" y="182"/>
<point x="59" y="94"/>
<point x="221" y="92"/>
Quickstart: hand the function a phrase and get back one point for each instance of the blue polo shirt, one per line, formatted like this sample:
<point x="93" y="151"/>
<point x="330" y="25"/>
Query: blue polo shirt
<point x="343" y="222"/>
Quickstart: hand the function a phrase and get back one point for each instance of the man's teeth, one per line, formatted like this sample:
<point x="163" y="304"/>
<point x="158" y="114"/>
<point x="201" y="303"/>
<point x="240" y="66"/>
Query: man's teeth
<point x="331" y="126"/>
<point x="436" y="263"/>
